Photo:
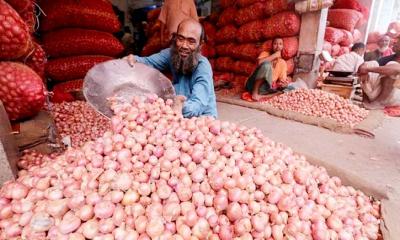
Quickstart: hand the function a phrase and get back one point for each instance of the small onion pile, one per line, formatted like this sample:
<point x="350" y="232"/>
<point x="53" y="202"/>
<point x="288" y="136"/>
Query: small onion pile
<point x="79" y="121"/>
<point x="318" y="103"/>
<point x="32" y="158"/>
<point x="156" y="175"/>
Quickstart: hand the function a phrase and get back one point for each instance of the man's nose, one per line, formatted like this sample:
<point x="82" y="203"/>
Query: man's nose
<point x="185" y="44"/>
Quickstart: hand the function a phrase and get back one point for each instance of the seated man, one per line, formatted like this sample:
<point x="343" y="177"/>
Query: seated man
<point x="383" y="51"/>
<point x="350" y="62"/>
<point x="192" y="73"/>
<point x="272" y="70"/>
<point x="380" y="81"/>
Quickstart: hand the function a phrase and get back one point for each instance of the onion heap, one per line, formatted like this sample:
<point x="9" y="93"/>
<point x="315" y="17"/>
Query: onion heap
<point x="32" y="158"/>
<point x="317" y="103"/>
<point x="79" y="121"/>
<point x="157" y="175"/>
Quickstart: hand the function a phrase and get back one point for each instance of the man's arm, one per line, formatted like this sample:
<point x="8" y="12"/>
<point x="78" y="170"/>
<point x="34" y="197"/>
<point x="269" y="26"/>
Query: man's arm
<point x="389" y="70"/>
<point x="269" y="58"/>
<point x="163" y="14"/>
<point x="162" y="30"/>
<point x="193" y="12"/>
<point x="159" y="61"/>
<point x="163" y="19"/>
<point x="202" y="89"/>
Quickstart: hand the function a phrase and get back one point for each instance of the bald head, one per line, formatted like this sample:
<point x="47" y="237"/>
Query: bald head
<point x="191" y="28"/>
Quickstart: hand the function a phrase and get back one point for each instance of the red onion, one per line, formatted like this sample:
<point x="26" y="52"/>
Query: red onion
<point x="321" y="104"/>
<point x="158" y="175"/>
<point x="79" y="121"/>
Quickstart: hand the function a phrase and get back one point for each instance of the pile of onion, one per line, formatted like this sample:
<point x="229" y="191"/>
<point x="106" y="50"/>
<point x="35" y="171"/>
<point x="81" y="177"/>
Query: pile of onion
<point x="32" y="158"/>
<point x="317" y="103"/>
<point x="79" y="121"/>
<point x="156" y="175"/>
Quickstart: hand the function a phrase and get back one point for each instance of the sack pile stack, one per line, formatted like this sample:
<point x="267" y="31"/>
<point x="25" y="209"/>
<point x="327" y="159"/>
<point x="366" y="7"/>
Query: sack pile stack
<point x="344" y="19"/>
<point x="76" y="35"/>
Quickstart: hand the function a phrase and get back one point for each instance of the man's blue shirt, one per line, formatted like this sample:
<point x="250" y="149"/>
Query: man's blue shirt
<point x="198" y="88"/>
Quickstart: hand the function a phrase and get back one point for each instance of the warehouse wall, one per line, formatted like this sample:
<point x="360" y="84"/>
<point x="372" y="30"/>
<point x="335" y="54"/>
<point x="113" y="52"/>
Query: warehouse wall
<point x="384" y="12"/>
<point x="366" y="28"/>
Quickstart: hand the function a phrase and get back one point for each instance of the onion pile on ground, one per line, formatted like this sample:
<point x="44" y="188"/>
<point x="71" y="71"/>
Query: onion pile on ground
<point x="32" y="158"/>
<point x="79" y="121"/>
<point x="156" y="175"/>
<point x="317" y="103"/>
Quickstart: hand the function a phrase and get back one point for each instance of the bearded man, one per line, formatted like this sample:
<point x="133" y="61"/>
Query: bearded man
<point x="192" y="73"/>
<point x="383" y="51"/>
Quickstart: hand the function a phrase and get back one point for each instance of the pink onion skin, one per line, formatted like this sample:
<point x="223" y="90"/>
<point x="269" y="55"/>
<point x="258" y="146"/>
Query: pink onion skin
<point x="104" y="209"/>
<point x="69" y="224"/>
<point x="234" y="212"/>
<point x="106" y="226"/>
<point x="86" y="212"/>
<point x="57" y="208"/>
<point x="119" y="216"/>
<point x="184" y="231"/>
<point x="140" y="224"/>
<point x="155" y="227"/>
<point x="130" y="197"/>
<point x="90" y="229"/>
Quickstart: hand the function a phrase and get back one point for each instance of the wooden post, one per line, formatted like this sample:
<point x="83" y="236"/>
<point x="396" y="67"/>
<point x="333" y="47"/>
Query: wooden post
<point x="312" y="32"/>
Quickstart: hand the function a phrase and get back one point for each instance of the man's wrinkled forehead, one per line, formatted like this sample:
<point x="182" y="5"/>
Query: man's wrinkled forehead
<point x="189" y="30"/>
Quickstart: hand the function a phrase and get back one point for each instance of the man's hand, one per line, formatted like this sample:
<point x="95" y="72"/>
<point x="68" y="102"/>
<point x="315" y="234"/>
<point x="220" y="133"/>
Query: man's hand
<point x="277" y="54"/>
<point x="178" y="103"/>
<point x="261" y="60"/>
<point x="270" y="58"/>
<point x="131" y="59"/>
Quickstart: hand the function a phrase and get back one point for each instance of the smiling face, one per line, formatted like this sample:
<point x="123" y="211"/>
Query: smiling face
<point x="188" y="37"/>
<point x="185" y="49"/>
<point x="277" y="45"/>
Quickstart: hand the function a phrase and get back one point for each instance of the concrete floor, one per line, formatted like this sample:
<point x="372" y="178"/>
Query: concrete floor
<point x="372" y="165"/>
